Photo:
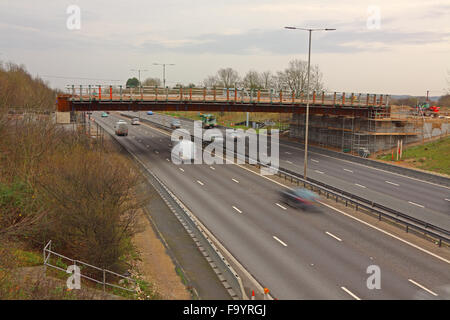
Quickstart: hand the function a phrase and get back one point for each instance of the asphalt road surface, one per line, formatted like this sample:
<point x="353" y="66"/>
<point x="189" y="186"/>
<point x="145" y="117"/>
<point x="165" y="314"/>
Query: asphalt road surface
<point x="296" y="254"/>
<point x="421" y="199"/>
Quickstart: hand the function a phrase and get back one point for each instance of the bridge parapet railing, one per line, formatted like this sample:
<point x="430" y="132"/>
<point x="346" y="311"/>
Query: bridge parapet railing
<point x="108" y="93"/>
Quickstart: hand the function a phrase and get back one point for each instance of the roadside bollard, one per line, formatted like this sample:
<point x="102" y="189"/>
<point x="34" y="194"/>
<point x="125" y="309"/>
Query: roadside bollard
<point x="253" y="294"/>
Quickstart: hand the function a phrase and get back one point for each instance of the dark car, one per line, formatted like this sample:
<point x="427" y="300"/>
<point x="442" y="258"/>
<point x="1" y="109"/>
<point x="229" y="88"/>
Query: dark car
<point x="300" y="198"/>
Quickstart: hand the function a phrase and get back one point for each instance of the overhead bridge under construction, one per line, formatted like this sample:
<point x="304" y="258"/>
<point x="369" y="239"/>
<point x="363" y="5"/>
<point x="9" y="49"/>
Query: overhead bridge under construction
<point x="117" y="98"/>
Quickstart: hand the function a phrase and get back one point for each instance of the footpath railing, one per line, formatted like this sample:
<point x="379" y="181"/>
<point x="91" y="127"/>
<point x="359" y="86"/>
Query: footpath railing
<point x="86" y="269"/>
<point x="359" y="203"/>
<point x="110" y="93"/>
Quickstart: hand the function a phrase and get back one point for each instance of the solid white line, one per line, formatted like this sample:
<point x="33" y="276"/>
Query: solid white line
<point x="416" y="204"/>
<point x="350" y="293"/>
<point x="318" y="171"/>
<point x="200" y="183"/>
<point x="395" y="184"/>
<point x="447" y="199"/>
<point x="237" y="209"/>
<point x="212" y="168"/>
<point x="348" y="170"/>
<point x="314" y="160"/>
<point x="422" y="287"/>
<point x="181" y="169"/>
<point x="359" y="185"/>
<point x="235" y="180"/>
<point x="290" y="162"/>
<point x="385" y="232"/>
<point x="284" y="244"/>
<point x="280" y="206"/>
<point x="332" y="235"/>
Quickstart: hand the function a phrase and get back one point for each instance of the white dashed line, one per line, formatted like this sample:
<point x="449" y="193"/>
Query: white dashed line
<point x="200" y="183"/>
<point x="359" y="185"/>
<point x="314" y="160"/>
<point x="284" y="244"/>
<point x="395" y="184"/>
<point x="280" y="206"/>
<point x="351" y="293"/>
<point x="167" y="159"/>
<point x="290" y="162"/>
<point x="181" y="169"/>
<point x="235" y="180"/>
<point x="447" y="199"/>
<point x="319" y="171"/>
<point x="237" y="209"/>
<point x="422" y="287"/>
<point x="332" y="235"/>
<point x="348" y="170"/>
<point x="416" y="204"/>
<point x="212" y="168"/>
<point x="287" y="152"/>
<point x="156" y="151"/>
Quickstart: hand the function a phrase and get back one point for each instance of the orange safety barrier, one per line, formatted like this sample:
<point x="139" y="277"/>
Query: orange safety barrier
<point x="190" y="94"/>
<point x="343" y="98"/>
<point x="314" y="97"/>
<point x="235" y="95"/>
<point x="110" y="92"/>
<point x="99" y="92"/>
<point x="259" y="96"/>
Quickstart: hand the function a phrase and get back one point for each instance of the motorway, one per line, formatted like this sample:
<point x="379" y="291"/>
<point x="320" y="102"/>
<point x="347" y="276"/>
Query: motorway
<point x="421" y="199"/>
<point x="297" y="255"/>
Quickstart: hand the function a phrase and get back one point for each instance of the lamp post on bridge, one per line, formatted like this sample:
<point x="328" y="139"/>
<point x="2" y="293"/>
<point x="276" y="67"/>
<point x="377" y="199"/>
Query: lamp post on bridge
<point x="305" y="163"/>
<point x="164" y="70"/>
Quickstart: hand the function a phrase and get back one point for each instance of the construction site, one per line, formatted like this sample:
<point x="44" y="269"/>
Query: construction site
<point x="380" y="130"/>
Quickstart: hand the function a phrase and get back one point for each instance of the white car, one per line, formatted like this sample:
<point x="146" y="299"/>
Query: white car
<point x="135" y="121"/>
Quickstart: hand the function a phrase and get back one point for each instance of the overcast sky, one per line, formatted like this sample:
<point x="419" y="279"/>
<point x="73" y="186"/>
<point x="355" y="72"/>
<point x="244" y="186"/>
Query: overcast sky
<point x="408" y="54"/>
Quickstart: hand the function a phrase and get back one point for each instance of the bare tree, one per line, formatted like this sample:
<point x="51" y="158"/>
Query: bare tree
<point x="267" y="80"/>
<point x="294" y="77"/>
<point x="252" y="80"/>
<point x="151" y="82"/>
<point x="211" y="81"/>
<point x="228" y="77"/>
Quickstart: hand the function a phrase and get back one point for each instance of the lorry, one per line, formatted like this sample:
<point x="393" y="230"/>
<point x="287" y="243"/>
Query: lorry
<point x="121" y="129"/>
<point x="208" y="121"/>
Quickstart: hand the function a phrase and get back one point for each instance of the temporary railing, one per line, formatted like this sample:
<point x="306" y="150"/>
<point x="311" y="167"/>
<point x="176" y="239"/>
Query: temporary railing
<point x="47" y="252"/>
<point x="358" y="202"/>
<point x="105" y="93"/>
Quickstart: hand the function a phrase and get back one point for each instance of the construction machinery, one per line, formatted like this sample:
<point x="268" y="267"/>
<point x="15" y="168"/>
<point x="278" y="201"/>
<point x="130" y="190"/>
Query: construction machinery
<point x="208" y="121"/>
<point x="427" y="110"/>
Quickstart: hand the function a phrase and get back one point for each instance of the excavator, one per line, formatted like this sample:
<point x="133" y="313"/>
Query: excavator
<point x="208" y="120"/>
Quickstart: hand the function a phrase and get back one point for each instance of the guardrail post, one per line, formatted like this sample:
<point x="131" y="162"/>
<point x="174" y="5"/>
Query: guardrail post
<point x="181" y="93"/>
<point x="104" y="280"/>
<point x="381" y="100"/>
<point x="281" y="96"/>
<point x="334" y="99"/>
<point x="99" y="93"/>
<point x="89" y="93"/>
<point x="343" y="98"/>
<point x="259" y="95"/>
<point x="359" y="99"/>
<point x="314" y="97"/>
<point x="142" y="93"/>
<point x="110" y="93"/>
<point x="204" y="94"/>
<point x="375" y="99"/>
<point x="81" y="93"/>
<point x="271" y="92"/>
<point x="190" y="94"/>
<point x="156" y="93"/>
<point x="167" y="94"/>
<point x="73" y="93"/>
<point x="235" y="94"/>
<point x="367" y="100"/>
<point x="214" y="94"/>
<point x="228" y="95"/>
<point x="293" y="96"/>
<point x="352" y="98"/>
<point x="323" y="98"/>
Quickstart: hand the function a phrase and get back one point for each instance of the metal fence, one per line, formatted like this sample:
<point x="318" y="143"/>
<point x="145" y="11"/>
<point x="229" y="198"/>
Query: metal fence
<point x="48" y="253"/>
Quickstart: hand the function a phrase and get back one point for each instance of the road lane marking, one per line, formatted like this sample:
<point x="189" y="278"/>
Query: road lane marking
<point x="290" y="162"/>
<point x="359" y="185"/>
<point x="212" y="168"/>
<point x="348" y="170"/>
<point x="385" y="232"/>
<point x="314" y="160"/>
<point x="319" y="171"/>
<point x="447" y="199"/>
<point x="395" y="184"/>
<point x="416" y="204"/>
<point x="181" y="169"/>
<point x="237" y="209"/>
<point x="148" y="146"/>
<point x="284" y="244"/>
<point x="167" y="159"/>
<point x="351" y="293"/>
<point x="288" y="152"/>
<point x="280" y="206"/>
<point x="200" y="183"/>
<point x="422" y="287"/>
<point x="235" y="180"/>
<point x="332" y="235"/>
<point x="156" y="151"/>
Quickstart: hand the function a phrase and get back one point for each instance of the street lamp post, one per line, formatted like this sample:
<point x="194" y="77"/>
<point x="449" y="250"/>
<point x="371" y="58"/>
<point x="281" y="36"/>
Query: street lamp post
<point x="164" y="70"/>
<point x="140" y="86"/>
<point x="305" y="163"/>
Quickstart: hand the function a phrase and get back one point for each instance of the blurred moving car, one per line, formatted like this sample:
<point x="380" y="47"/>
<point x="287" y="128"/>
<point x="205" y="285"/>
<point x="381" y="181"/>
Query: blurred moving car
<point x="135" y="121"/>
<point x="149" y="113"/>
<point x="120" y="128"/>
<point x="104" y="115"/>
<point x="121" y="121"/>
<point x="175" y="124"/>
<point x="300" y="198"/>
